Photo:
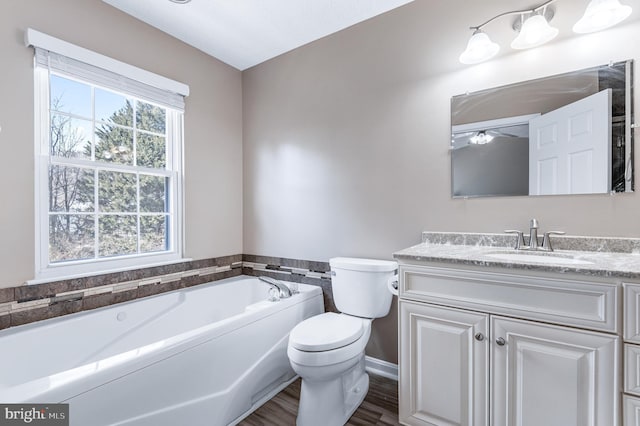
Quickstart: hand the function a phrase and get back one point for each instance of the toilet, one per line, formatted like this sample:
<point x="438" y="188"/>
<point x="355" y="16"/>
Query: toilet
<point x="327" y="350"/>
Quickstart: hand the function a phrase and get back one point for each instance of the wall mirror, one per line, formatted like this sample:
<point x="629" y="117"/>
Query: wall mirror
<point x="565" y="134"/>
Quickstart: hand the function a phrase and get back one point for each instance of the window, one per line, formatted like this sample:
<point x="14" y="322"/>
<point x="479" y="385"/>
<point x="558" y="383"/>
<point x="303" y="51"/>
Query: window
<point x="108" y="170"/>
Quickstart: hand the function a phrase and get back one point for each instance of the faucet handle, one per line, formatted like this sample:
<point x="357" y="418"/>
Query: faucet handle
<point x="533" y="223"/>
<point x="546" y="241"/>
<point x="520" y="236"/>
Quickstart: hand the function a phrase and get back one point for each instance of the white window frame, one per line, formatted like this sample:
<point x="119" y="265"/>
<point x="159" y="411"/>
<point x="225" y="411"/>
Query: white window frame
<point x="44" y="269"/>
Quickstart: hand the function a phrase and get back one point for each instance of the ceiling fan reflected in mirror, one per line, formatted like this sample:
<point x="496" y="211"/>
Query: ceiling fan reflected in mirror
<point x="484" y="136"/>
<point x="481" y="137"/>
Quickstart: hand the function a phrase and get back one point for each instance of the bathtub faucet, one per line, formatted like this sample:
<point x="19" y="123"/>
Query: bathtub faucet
<point x="279" y="286"/>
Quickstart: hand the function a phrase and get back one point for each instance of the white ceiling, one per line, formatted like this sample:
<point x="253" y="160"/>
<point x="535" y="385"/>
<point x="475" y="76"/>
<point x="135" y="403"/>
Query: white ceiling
<point x="244" y="33"/>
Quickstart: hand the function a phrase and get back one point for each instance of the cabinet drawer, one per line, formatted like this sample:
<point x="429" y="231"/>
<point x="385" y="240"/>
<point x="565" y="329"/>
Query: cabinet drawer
<point x="631" y="410"/>
<point x="632" y="369"/>
<point x="574" y="302"/>
<point x="631" y="312"/>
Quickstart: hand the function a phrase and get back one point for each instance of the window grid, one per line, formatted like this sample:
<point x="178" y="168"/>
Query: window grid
<point x="97" y="211"/>
<point x="98" y="166"/>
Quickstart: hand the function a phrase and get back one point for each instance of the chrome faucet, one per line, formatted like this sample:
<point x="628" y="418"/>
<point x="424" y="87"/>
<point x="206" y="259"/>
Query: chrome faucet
<point x="280" y="287"/>
<point x="533" y="238"/>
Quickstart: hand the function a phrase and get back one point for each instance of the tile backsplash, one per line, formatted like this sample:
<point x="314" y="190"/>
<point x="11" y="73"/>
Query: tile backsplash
<point x="560" y="242"/>
<point x="293" y="270"/>
<point x="29" y="303"/>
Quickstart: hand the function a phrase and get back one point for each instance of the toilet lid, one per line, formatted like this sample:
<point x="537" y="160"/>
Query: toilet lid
<point x="325" y="332"/>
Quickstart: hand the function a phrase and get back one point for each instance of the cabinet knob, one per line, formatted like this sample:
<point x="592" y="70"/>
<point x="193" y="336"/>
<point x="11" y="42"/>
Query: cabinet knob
<point x="500" y="341"/>
<point x="479" y="337"/>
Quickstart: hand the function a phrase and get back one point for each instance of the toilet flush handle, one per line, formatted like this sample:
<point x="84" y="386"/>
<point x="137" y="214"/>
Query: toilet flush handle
<point x="392" y="285"/>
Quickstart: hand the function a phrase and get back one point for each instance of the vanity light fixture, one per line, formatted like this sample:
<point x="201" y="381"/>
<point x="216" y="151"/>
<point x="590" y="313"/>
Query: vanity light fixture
<point x="601" y="14"/>
<point x="534" y="29"/>
<point x="479" y="49"/>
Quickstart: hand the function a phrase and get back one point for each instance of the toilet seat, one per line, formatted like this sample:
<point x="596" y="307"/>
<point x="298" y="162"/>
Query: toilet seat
<point x="329" y="357"/>
<point x="326" y="332"/>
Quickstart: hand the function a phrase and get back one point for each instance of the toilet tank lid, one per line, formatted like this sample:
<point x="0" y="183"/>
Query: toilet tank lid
<point x="369" y="265"/>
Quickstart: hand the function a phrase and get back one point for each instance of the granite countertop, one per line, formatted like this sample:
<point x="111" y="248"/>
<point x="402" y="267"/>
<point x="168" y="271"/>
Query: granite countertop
<point x="596" y="256"/>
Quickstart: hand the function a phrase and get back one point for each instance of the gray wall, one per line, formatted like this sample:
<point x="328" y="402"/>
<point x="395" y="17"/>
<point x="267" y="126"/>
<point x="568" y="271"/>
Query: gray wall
<point x="346" y="144"/>
<point x="213" y="123"/>
<point x="497" y="168"/>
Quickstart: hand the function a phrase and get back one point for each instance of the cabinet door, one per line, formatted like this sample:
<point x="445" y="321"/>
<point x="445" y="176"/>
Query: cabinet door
<point x="631" y="312"/>
<point x="552" y="376"/>
<point x="444" y="359"/>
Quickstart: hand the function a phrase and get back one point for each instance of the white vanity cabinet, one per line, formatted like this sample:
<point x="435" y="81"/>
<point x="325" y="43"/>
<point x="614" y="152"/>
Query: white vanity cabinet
<point x="480" y="346"/>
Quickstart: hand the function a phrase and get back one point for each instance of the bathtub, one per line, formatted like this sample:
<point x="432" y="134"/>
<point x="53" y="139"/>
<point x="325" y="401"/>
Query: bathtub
<point x="208" y="355"/>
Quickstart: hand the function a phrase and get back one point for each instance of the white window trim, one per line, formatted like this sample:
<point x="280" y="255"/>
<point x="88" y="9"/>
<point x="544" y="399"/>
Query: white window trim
<point x="44" y="41"/>
<point x="175" y="127"/>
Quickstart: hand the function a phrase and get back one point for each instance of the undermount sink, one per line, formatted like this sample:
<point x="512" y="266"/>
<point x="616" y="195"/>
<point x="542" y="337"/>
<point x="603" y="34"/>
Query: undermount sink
<point x="538" y="257"/>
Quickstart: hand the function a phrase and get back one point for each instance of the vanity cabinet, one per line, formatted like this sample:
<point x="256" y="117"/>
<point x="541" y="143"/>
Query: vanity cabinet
<point x="485" y="347"/>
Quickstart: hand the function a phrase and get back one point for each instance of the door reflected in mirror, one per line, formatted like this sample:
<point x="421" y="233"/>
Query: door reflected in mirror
<point x="565" y="134"/>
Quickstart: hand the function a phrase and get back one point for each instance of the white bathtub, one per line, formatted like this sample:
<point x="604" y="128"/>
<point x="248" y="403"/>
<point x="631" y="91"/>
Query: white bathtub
<point x="208" y="355"/>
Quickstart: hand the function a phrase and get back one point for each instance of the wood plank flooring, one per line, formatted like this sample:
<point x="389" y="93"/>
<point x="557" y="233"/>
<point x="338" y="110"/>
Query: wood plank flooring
<point x="379" y="408"/>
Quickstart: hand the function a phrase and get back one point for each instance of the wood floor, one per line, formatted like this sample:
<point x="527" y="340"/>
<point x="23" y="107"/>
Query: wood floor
<point x="380" y="406"/>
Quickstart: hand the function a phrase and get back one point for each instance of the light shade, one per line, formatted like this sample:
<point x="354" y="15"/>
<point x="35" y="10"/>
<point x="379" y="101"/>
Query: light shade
<point x="535" y="31"/>
<point x="479" y="49"/>
<point x="601" y="14"/>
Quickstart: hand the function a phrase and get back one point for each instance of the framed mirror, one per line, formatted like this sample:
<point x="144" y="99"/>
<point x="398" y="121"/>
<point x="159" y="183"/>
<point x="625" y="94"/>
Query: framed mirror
<point x="564" y="134"/>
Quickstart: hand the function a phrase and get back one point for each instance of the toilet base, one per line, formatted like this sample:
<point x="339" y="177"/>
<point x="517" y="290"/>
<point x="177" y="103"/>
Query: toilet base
<point x="332" y="402"/>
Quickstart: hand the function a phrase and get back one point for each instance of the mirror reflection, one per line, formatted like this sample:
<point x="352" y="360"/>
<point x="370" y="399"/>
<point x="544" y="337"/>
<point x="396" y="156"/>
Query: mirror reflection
<point x="565" y="134"/>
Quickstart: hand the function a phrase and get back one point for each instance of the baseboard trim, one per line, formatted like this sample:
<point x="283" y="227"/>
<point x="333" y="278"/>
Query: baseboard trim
<point x="381" y="368"/>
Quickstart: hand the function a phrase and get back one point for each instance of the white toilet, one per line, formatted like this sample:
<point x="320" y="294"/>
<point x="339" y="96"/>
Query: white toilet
<point x="327" y="350"/>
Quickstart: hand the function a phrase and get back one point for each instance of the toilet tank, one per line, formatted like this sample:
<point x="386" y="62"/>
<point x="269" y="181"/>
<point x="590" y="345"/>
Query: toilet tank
<point x="359" y="286"/>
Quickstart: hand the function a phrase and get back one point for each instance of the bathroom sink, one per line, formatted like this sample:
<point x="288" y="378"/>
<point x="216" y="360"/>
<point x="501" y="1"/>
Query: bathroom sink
<point x="538" y="257"/>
